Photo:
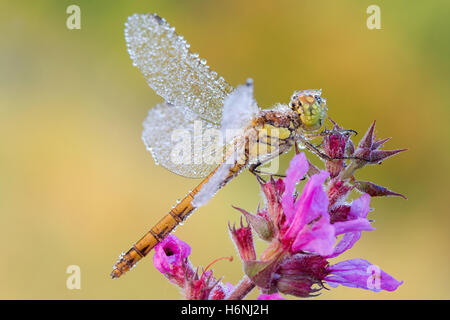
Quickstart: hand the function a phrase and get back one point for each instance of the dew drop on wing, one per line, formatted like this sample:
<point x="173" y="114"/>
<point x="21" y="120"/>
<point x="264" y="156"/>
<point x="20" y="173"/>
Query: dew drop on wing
<point x="150" y="39"/>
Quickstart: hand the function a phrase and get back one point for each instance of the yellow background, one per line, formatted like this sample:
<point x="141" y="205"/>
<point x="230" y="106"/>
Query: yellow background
<point x="78" y="187"/>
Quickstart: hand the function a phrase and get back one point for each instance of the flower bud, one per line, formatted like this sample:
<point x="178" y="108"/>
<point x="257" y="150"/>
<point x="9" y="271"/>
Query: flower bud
<point x="337" y="191"/>
<point x="200" y="287"/>
<point x="273" y="190"/>
<point x="367" y="151"/>
<point x="243" y="239"/>
<point x="298" y="274"/>
<point x="374" y="190"/>
<point x="334" y="146"/>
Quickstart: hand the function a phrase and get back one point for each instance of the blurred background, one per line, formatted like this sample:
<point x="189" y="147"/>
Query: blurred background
<point x="77" y="186"/>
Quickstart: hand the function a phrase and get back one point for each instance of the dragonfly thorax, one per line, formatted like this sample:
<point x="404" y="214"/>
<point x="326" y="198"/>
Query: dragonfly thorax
<point x="310" y="107"/>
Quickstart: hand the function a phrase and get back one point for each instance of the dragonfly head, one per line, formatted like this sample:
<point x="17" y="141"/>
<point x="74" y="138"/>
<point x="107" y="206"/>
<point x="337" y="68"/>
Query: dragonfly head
<point x="311" y="108"/>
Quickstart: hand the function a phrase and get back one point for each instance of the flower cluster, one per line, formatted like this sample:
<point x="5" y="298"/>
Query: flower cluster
<point x="303" y="231"/>
<point x="172" y="260"/>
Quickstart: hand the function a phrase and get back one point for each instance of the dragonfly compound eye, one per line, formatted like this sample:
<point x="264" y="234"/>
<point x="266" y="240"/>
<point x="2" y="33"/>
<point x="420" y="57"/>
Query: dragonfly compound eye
<point x="311" y="108"/>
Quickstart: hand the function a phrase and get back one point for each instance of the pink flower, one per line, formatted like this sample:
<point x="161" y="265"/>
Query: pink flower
<point x="302" y="275"/>
<point x="171" y="259"/>
<point x="203" y="287"/>
<point x="307" y="225"/>
<point x="303" y="236"/>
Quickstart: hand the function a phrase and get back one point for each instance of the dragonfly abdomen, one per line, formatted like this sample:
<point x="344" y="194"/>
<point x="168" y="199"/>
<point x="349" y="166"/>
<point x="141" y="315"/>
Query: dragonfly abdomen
<point x="166" y="225"/>
<point x="156" y="234"/>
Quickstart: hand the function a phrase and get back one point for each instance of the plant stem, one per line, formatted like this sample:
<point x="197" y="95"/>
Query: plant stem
<point x="244" y="287"/>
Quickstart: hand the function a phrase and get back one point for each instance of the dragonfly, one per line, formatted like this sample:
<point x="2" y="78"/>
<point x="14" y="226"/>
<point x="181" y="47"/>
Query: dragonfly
<point x="194" y="94"/>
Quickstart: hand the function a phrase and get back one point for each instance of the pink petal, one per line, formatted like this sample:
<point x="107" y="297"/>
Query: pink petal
<point x="360" y="224"/>
<point x="347" y="241"/>
<point x="312" y="204"/>
<point x="296" y="171"/>
<point x="352" y="231"/>
<point x="359" y="273"/>
<point x="360" y="207"/>
<point x="169" y="253"/>
<point x="318" y="238"/>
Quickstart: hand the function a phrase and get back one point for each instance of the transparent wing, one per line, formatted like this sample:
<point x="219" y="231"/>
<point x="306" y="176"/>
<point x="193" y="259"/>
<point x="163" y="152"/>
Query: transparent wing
<point x="176" y="74"/>
<point x="182" y="142"/>
<point x="239" y="109"/>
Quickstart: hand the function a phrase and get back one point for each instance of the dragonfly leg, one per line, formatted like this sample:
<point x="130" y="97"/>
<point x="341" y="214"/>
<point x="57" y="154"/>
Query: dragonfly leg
<point x="351" y="131"/>
<point x="297" y="149"/>
<point x="314" y="149"/>
<point x="254" y="169"/>
<point x="325" y="132"/>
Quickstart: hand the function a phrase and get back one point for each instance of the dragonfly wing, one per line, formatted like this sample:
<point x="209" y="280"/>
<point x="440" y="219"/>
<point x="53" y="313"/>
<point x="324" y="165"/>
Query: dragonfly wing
<point x="172" y="70"/>
<point x="239" y="109"/>
<point x="182" y="142"/>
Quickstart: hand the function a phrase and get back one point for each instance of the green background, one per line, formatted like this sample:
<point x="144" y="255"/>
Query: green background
<point x="78" y="187"/>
